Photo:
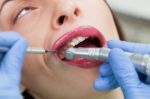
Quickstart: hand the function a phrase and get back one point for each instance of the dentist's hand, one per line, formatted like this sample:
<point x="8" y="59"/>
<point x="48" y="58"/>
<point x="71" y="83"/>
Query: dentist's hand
<point x="119" y="71"/>
<point x="11" y="65"/>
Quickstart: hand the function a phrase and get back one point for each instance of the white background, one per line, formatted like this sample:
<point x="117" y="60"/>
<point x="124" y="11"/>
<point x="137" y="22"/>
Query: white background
<point x="134" y="16"/>
<point x="139" y="8"/>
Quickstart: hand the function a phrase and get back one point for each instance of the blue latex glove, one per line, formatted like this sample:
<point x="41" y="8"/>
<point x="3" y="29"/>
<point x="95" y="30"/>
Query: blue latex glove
<point x="11" y="65"/>
<point x="120" y="71"/>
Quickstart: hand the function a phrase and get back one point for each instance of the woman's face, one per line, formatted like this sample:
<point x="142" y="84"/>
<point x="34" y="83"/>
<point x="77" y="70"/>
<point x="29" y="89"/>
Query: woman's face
<point x="57" y="25"/>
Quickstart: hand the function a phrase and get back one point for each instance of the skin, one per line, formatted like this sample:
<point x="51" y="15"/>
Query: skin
<point x="43" y="75"/>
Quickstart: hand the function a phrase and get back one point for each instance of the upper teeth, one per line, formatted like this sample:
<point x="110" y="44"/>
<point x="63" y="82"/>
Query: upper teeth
<point x="73" y="43"/>
<point x="77" y="40"/>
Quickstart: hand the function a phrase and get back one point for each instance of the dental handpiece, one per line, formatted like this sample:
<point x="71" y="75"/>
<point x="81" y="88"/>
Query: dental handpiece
<point x="141" y="61"/>
<point x="31" y="50"/>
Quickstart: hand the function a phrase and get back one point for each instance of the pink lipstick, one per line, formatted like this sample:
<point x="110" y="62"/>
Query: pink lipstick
<point x="85" y="36"/>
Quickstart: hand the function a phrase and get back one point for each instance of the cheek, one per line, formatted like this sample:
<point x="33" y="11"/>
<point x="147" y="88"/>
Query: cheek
<point x="106" y="22"/>
<point x="100" y="16"/>
<point x="33" y="33"/>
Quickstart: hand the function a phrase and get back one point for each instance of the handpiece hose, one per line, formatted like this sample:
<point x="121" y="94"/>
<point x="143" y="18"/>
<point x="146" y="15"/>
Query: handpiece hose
<point x="141" y="61"/>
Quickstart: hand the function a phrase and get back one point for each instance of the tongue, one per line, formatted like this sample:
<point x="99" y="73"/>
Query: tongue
<point x="86" y="45"/>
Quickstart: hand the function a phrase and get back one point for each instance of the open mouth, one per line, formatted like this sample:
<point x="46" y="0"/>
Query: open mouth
<point x="85" y="37"/>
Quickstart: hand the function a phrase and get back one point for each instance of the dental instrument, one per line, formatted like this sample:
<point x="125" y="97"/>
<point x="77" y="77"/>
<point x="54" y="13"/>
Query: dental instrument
<point x="141" y="61"/>
<point x="32" y="50"/>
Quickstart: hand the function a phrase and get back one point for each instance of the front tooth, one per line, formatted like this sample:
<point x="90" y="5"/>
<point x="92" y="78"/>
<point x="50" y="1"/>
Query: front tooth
<point x="81" y="39"/>
<point x="76" y="41"/>
<point x="72" y="43"/>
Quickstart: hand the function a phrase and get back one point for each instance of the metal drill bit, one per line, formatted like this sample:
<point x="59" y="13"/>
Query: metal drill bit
<point x="31" y="50"/>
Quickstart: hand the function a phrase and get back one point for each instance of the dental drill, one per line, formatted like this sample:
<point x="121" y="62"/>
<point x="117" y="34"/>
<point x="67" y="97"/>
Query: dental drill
<point x="31" y="50"/>
<point x="141" y="61"/>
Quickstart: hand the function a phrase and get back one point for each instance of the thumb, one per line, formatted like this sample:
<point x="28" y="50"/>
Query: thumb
<point x="13" y="60"/>
<point x="123" y="69"/>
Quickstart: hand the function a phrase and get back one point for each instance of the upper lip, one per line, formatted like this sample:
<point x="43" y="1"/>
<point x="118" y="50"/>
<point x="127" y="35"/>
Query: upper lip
<point x="83" y="31"/>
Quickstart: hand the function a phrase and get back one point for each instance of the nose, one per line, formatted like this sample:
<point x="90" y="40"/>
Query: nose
<point x="65" y="13"/>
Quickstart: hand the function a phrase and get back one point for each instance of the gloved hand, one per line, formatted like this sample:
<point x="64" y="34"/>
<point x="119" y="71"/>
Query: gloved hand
<point x="120" y="71"/>
<point x="11" y="65"/>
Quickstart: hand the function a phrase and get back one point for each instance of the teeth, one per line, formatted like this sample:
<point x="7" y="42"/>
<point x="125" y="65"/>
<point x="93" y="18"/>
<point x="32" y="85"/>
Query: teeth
<point x="77" y="40"/>
<point x="73" y="43"/>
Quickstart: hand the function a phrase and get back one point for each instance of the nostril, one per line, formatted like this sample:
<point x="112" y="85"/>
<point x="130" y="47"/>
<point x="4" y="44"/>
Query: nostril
<point x="61" y="19"/>
<point x="76" y="12"/>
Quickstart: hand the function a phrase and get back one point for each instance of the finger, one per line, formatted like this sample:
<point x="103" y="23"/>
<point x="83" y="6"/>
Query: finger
<point x="123" y="68"/>
<point x="105" y="83"/>
<point x="148" y="80"/>
<point x="130" y="47"/>
<point x="142" y="77"/>
<point x="105" y="70"/>
<point x="13" y="60"/>
<point x="1" y="56"/>
<point x="8" y="38"/>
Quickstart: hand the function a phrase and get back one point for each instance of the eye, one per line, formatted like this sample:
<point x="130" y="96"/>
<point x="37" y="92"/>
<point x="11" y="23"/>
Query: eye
<point x="23" y="12"/>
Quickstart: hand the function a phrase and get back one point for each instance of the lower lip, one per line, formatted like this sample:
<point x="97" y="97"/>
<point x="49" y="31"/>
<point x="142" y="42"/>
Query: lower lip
<point x="82" y="62"/>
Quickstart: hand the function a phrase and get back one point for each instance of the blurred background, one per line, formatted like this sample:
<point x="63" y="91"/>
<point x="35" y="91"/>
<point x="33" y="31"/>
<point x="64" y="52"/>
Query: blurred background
<point x="134" y="17"/>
